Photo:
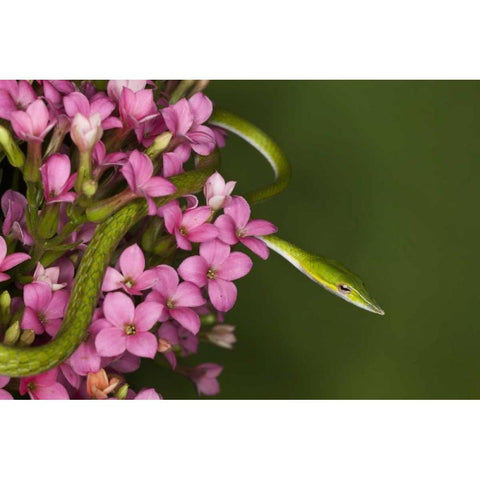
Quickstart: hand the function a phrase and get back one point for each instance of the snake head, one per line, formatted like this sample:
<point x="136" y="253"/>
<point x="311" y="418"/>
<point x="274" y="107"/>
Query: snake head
<point x="340" y="281"/>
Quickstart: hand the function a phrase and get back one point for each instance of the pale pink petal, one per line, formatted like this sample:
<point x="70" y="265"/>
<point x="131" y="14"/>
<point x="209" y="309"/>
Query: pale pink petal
<point x="178" y="117"/>
<point x="188" y="295"/>
<point x="58" y="304"/>
<point x="76" y="102"/>
<point x="158" y="187"/>
<point x="110" y="342"/>
<point x="3" y="249"/>
<point x="239" y="210"/>
<point x="13" y="260"/>
<point x="187" y="318"/>
<point x="146" y="315"/>
<point x="214" y="252"/>
<point x="167" y="280"/>
<point x="132" y="262"/>
<point x="260" y="227"/>
<point x="38" y="112"/>
<point x="142" y="167"/>
<point x="118" y="309"/>
<point x="172" y="214"/>
<point x="55" y="173"/>
<point x="148" y="394"/>
<point x="257" y="246"/>
<point x="237" y="265"/>
<point x="30" y="321"/>
<point x="146" y="280"/>
<point x="112" y="280"/>
<point x="56" y="391"/>
<point x="222" y="293"/>
<point x="203" y="233"/>
<point x="196" y="217"/>
<point x="194" y="269"/>
<point x="143" y="344"/>
<point x="201" y="107"/>
<point x="226" y="229"/>
<point x="37" y="295"/>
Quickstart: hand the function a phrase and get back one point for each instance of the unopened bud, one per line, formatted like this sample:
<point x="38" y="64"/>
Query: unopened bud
<point x="14" y="154"/>
<point x="159" y="145"/>
<point x="222" y="336"/>
<point x="12" y="334"/>
<point x="89" y="188"/>
<point x="122" y="392"/>
<point x="5" y="302"/>
<point x="27" y="338"/>
<point x="164" y="345"/>
<point x="209" y="319"/>
<point x="48" y="223"/>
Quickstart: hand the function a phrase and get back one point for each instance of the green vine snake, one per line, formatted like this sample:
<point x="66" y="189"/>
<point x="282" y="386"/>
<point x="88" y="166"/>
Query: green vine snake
<point x="18" y="361"/>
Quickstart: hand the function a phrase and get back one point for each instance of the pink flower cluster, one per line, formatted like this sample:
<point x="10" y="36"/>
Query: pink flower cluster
<point x="159" y="299"/>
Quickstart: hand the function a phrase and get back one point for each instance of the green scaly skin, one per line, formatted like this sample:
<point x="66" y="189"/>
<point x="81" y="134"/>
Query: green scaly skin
<point x="25" y="361"/>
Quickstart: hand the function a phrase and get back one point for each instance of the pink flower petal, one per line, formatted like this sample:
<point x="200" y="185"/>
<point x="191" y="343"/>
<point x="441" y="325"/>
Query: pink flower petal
<point x="146" y="315"/>
<point x="195" y="217"/>
<point x="222" y="293"/>
<point x="56" y="391"/>
<point x="260" y="227"/>
<point x="237" y="265"/>
<point x="110" y="342"/>
<point x="178" y="117"/>
<point x="112" y="280"/>
<point x="13" y="260"/>
<point x="203" y="233"/>
<point x="118" y="309"/>
<point x="187" y="318"/>
<point x="188" y="295"/>
<point x="194" y="269"/>
<point x="167" y="280"/>
<point x="214" y="252"/>
<point x="3" y="249"/>
<point x="158" y="187"/>
<point x="172" y="214"/>
<point x="226" y="229"/>
<point x="132" y="262"/>
<point x="30" y="321"/>
<point x="37" y="295"/>
<point x="257" y="246"/>
<point x="57" y="305"/>
<point x="239" y="210"/>
<point x="148" y="394"/>
<point x="143" y="344"/>
<point x="201" y="107"/>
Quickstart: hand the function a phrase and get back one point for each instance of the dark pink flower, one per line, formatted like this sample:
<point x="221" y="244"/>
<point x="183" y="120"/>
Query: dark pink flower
<point x="13" y="208"/>
<point x="57" y="180"/>
<point x="184" y="119"/>
<point x="217" y="192"/>
<point x="174" y="334"/>
<point x="177" y="299"/>
<point x="129" y="327"/>
<point x="76" y="102"/>
<point x="44" y="309"/>
<point x="138" y="172"/>
<point x="204" y="377"/>
<point x="43" y="387"/>
<point x="132" y="276"/>
<point x="136" y="107"/>
<point x="15" y="96"/>
<point x="9" y="261"/>
<point x="235" y="226"/>
<point x="216" y="267"/>
<point x="190" y="226"/>
<point x="4" y="395"/>
<point x="33" y="124"/>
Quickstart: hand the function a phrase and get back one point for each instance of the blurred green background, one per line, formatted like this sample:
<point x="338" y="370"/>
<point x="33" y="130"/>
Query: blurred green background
<point x="385" y="180"/>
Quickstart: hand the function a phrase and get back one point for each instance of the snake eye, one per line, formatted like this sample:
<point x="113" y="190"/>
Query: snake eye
<point x="342" y="288"/>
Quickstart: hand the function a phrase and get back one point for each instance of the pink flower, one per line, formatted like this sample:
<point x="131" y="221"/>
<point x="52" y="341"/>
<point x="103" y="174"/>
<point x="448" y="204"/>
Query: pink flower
<point x="216" y="267"/>
<point x="172" y="333"/>
<point x="129" y="327"/>
<point x="177" y="299"/>
<point x="115" y="87"/>
<point x="136" y="107"/>
<point x="138" y="172"/>
<point x="9" y="261"/>
<point x="173" y="161"/>
<point x="4" y="395"/>
<point x="44" y="309"/>
<point x="102" y="158"/>
<point x="149" y="129"/>
<point x="205" y="378"/>
<point x="217" y="192"/>
<point x="191" y="226"/>
<point x="86" y="131"/>
<point x="148" y="394"/>
<point x="49" y="276"/>
<point x="43" y="387"/>
<point x="100" y="104"/>
<point x="15" y="96"/>
<point x="184" y="120"/>
<point x="54" y="91"/>
<point x="33" y="124"/>
<point x="57" y="180"/>
<point x="133" y="277"/>
<point x="13" y="208"/>
<point x="235" y="226"/>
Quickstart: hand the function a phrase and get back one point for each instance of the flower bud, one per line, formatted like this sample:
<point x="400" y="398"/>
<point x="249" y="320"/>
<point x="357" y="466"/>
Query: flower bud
<point x="209" y="319"/>
<point x="14" y="154"/>
<point x="27" y="337"/>
<point x="86" y="132"/>
<point x="122" y="392"/>
<point x="222" y="336"/>
<point x="159" y="145"/>
<point x="89" y="188"/>
<point x="12" y="334"/>
<point x="164" y="345"/>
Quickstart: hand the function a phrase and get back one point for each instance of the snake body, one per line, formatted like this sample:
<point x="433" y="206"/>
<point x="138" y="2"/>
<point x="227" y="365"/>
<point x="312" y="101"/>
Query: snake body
<point x="18" y="361"/>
